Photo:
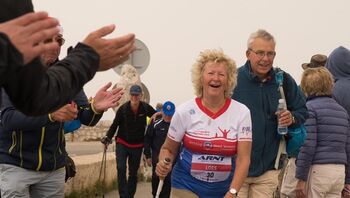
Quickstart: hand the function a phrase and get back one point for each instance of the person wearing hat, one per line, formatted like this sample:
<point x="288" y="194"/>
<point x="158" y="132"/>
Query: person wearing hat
<point x="27" y="82"/>
<point x="154" y="139"/>
<point x="338" y="64"/>
<point x="131" y="122"/>
<point x="317" y="60"/>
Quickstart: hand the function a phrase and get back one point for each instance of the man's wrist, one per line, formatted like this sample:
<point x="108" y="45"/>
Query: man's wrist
<point x="50" y="117"/>
<point x="92" y="102"/>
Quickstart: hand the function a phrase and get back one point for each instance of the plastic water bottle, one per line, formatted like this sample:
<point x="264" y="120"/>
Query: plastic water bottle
<point x="282" y="105"/>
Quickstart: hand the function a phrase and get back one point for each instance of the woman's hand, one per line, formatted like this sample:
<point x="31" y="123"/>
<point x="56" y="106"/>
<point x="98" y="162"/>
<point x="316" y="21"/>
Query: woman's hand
<point x="163" y="168"/>
<point x="346" y="191"/>
<point x="300" y="189"/>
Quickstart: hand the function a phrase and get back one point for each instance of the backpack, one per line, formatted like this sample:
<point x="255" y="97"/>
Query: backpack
<point x="70" y="168"/>
<point x="296" y="136"/>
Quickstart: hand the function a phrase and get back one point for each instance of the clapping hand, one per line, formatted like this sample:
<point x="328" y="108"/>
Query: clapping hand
<point x="105" y="99"/>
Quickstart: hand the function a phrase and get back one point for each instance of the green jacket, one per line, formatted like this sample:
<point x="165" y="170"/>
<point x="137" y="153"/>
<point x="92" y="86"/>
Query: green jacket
<point x="262" y="100"/>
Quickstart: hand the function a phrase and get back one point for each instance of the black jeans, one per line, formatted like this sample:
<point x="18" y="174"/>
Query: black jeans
<point x="127" y="187"/>
<point x="165" y="193"/>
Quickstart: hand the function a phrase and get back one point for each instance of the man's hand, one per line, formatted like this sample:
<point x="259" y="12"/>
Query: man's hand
<point x="112" y="51"/>
<point x="105" y="99"/>
<point x="28" y="32"/>
<point x="106" y="140"/>
<point x="65" y="113"/>
<point x="285" y="118"/>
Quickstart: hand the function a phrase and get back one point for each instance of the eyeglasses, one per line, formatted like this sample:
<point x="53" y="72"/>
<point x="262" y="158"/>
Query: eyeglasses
<point x="60" y="40"/>
<point x="261" y="53"/>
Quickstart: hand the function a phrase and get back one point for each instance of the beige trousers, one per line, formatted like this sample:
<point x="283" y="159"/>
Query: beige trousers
<point x="262" y="186"/>
<point x="325" y="180"/>
<point x="289" y="181"/>
<point x="181" y="193"/>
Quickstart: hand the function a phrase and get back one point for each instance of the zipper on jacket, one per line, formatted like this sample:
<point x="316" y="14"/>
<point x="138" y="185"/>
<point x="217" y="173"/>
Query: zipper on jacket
<point x="264" y="110"/>
<point x="14" y="142"/>
<point x="40" y="157"/>
<point x="58" y="148"/>
<point x="20" y="147"/>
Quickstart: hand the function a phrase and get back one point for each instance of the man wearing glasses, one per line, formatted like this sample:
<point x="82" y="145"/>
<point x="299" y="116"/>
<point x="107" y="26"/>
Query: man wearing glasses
<point x="50" y="57"/>
<point x="258" y="90"/>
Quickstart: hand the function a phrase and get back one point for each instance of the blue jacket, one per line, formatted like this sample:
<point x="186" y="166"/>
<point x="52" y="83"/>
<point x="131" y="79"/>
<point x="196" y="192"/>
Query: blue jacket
<point x="156" y="134"/>
<point x="328" y="137"/>
<point x="36" y="143"/>
<point x="262" y="100"/>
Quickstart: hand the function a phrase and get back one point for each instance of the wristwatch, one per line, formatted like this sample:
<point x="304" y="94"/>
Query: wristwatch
<point x="233" y="192"/>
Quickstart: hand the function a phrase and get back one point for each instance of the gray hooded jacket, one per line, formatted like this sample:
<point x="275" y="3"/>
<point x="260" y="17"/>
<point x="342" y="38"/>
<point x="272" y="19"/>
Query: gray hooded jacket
<point x="338" y="64"/>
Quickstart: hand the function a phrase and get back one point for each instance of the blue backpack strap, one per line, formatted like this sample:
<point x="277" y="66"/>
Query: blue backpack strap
<point x="279" y="76"/>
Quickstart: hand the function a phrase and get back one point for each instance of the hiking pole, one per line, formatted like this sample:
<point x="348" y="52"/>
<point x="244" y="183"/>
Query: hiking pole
<point x="103" y="167"/>
<point x="166" y="161"/>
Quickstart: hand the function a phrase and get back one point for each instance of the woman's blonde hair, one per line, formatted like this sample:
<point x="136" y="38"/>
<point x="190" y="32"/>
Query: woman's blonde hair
<point x="317" y="82"/>
<point x="216" y="56"/>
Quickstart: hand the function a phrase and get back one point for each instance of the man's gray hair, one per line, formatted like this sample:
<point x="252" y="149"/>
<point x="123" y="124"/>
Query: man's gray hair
<point x="260" y="33"/>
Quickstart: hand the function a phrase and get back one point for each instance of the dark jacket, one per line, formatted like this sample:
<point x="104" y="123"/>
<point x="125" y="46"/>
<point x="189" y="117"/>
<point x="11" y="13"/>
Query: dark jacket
<point x="26" y="85"/>
<point x="131" y="126"/>
<point x="338" y="63"/>
<point x="36" y="143"/>
<point x="328" y="137"/>
<point x="262" y="99"/>
<point x="154" y="139"/>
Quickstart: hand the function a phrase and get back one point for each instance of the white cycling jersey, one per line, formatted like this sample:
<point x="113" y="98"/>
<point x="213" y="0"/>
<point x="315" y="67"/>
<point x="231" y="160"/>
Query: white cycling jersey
<point x="209" y="142"/>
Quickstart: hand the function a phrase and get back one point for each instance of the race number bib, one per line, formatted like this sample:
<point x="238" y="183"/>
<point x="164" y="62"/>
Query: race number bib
<point x="211" y="168"/>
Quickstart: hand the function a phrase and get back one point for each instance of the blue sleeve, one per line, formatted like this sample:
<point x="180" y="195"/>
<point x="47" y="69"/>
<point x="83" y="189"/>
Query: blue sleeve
<point x="12" y="119"/>
<point x="86" y="115"/>
<point x="296" y="102"/>
<point x="307" y="151"/>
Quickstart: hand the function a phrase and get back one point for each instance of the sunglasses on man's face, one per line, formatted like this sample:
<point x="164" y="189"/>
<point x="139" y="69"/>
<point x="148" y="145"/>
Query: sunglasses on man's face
<point x="59" y="40"/>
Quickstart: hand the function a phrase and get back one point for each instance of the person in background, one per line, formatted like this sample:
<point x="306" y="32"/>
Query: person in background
<point x="154" y="139"/>
<point x="324" y="159"/>
<point x="258" y="90"/>
<point x="131" y="121"/>
<point x="289" y="181"/>
<point x="317" y="60"/>
<point x="159" y="107"/>
<point x="32" y="149"/>
<point x="338" y="64"/>
<point x="67" y="77"/>
<point x="209" y="136"/>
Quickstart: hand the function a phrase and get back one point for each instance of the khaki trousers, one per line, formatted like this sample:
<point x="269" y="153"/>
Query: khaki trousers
<point x="289" y="181"/>
<point x="262" y="186"/>
<point x="325" y="180"/>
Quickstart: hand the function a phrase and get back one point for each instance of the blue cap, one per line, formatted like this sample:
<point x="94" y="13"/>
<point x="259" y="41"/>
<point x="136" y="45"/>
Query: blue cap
<point x="168" y="108"/>
<point x="135" y="90"/>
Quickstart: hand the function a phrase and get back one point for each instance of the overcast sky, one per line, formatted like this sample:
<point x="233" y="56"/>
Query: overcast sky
<point x="176" y="31"/>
